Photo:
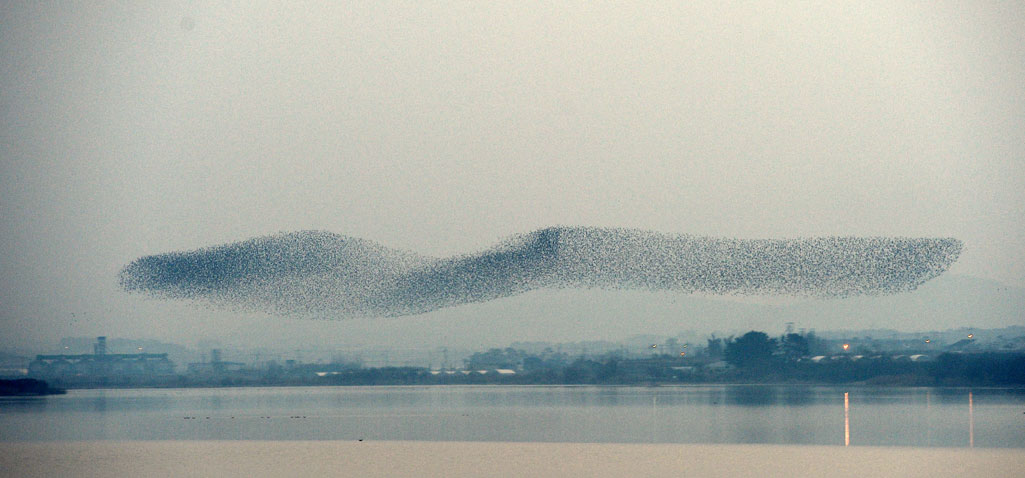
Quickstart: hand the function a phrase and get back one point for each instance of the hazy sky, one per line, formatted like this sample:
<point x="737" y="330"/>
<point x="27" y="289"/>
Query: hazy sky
<point x="131" y="129"/>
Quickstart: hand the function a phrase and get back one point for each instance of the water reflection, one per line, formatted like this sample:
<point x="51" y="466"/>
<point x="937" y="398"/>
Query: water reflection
<point x="798" y="396"/>
<point x="971" y="421"/>
<point x="762" y="395"/>
<point x="752" y="396"/>
<point x="694" y="414"/>
<point x="100" y="403"/>
<point x="22" y="404"/>
<point x="846" y="419"/>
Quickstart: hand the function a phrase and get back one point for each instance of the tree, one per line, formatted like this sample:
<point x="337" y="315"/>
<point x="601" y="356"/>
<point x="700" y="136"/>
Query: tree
<point x="715" y="347"/>
<point x="816" y="346"/>
<point x="795" y="346"/>
<point x="496" y="358"/>
<point x="751" y="349"/>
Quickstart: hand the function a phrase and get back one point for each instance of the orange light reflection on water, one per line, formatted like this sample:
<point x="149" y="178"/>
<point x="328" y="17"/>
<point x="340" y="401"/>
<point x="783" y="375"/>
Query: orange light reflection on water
<point x="971" y="421"/>
<point x="846" y="420"/>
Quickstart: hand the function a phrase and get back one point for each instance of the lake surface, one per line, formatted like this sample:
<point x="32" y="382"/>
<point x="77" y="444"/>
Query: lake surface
<point x="689" y="414"/>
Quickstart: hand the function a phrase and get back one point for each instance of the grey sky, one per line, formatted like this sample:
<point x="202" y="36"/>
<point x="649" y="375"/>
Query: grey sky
<point x="133" y="129"/>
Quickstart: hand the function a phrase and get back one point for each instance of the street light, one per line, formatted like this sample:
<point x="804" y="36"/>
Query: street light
<point x="846" y="346"/>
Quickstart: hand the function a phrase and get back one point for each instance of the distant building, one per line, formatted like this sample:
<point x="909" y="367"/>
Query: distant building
<point x="100" y="348"/>
<point x="215" y="366"/>
<point x="100" y="366"/>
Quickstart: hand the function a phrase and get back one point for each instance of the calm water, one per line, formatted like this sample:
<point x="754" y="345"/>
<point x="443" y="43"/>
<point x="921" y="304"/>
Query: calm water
<point x="699" y="414"/>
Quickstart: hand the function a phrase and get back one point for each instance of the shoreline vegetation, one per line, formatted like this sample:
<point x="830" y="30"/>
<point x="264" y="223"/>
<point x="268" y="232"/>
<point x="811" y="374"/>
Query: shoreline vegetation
<point x="497" y="367"/>
<point x="752" y="358"/>
<point x="28" y="387"/>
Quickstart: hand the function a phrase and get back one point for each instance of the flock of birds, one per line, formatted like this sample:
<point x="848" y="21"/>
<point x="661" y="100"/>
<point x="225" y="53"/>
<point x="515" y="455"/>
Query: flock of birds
<point x="321" y="274"/>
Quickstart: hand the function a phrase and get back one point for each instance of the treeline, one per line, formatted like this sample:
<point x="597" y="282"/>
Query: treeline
<point x="754" y="357"/>
<point x="757" y="357"/>
<point x="949" y="370"/>
<point x="751" y="358"/>
<point x="27" y="387"/>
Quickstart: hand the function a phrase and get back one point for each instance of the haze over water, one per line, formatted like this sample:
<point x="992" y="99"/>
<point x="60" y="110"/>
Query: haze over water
<point x="719" y="414"/>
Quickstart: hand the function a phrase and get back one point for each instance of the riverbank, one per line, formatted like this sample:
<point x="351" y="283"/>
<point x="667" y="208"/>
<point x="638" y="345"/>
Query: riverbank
<point x="456" y="459"/>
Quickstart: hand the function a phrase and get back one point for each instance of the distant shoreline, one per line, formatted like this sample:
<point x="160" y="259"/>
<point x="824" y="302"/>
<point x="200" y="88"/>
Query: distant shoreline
<point x="580" y="385"/>
<point x="949" y="370"/>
